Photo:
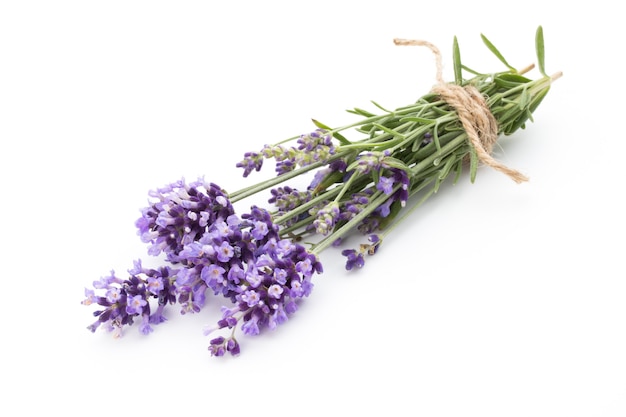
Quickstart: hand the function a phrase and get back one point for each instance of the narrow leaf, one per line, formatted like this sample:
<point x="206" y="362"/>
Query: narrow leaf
<point x="524" y="99"/>
<point x="396" y="163"/>
<point x="536" y="100"/>
<point x="473" y="164"/>
<point x="437" y="184"/>
<point x="416" y="144"/>
<point x="361" y="112"/>
<point x="337" y="135"/>
<point x="380" y="107"/>
<point x="389" y="131"/>
<point x="436" y="136"/>
<point x="495" y="51"/>
<point x="456" y="59"/>
<point x="417" y="120"/>
<point x="471" y="70"/>
<point x="459" y="170"/>
<point x="539" y="46"/>
<point x="443" y="173"/>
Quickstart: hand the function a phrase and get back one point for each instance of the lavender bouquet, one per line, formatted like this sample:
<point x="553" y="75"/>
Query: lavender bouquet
<point x="261" y="262"/>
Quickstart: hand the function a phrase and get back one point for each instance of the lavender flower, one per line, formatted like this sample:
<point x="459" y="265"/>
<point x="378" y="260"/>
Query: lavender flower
<point x="286" y="199"/>
<point x="220" y="345"/>
<point x="179" y="214"/>
<point x="269" y="293"/>
<point x="313" y="147"/>
<point x="355" y="259"/>
<point x="252" y="161"/>
<point x="126" y="299"/>
<point x="316" y="146"/>
<point x="326" y="218"/>
<point x="261" y="263"/>
<point x="371" y="162"/>
<point x="385" y="185"/>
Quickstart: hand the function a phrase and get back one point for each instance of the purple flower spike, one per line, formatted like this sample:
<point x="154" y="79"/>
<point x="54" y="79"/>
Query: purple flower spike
<point x="252" y="161"/>
<point x="179" y="214"/>
<point x="232" y="346"/>
<point x="220" y="345"/>
<point x="216" y="346"/>
<point x="355" y="259"/>
<point x="126" y="300"/>
<point x="385" y="185"/>
<point x="327" y="218"/>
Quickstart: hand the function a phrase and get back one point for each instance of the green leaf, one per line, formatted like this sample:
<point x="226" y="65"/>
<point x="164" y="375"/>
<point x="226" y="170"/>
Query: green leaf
<point x="420" y="120"/>
<point x="444" y="139"/>
<point x="524" y="98"/>
<point x="361" y="112"/>
<point x="380" y="107"/>
<point x="506" y="80"/>
<point x="539" y="46"/>
<point x="537" y="98"/>
<point x="337" y="135"/>
<point x="436" y="136"/>
<point x="443" y="173"/>
<point x="389" y="131"/>
<point x="396" y="163"/>
<point x="495" y="51"/>
<point x="437" y="184"/>
<point x="473" y="164"/>
<point x="518" y="123"/>
<point x="456" y="59"/>
<point x="471" y="70"/>
<point x="508" y="114"/>
<point x="459" y="170"/>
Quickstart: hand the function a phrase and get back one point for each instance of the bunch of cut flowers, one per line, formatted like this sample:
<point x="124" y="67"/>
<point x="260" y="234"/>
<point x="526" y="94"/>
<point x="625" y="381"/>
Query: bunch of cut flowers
<point x="261" y="263"/>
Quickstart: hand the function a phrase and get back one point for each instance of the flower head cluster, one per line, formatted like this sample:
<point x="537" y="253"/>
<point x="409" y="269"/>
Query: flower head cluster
<point x="356" y="258"/>
<point x="316" y="146"/>
<point x="245" y="261"/>
<point x="225" y="255"/>
<point x="368" y="175"/>
<point x="241" y="258"/>
<point x="326" y="218"/>
<point x="125" y="300"/>
<point x="285" y="199"/>
<point x="252" y="161"/>
<point x="262" y="261"/>
<point x="268" y="291"/>
<point x="180" y="213"/>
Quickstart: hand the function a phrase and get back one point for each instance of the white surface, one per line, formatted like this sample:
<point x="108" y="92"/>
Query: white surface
<point x="496" y="299"/>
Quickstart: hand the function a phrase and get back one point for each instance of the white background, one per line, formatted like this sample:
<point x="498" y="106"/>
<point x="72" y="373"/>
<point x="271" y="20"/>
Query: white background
<point x="495" y="299"/>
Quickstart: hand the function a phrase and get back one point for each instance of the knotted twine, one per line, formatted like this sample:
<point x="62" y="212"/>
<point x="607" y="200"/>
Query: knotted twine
<point x="474" y="114"/>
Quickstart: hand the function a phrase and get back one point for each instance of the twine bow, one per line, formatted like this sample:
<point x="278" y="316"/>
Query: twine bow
<point x="479" y="123"/>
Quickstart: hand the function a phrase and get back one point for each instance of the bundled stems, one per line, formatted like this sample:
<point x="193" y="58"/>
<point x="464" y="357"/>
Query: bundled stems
<point x="263" y="261"/>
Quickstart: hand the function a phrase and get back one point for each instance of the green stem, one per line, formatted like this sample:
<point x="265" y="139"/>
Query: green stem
<point x="303" y="208"/>
<point x="249" y="191"/>
<point x="413" y="207"/>
<point x="376" y="200"/>
<point x="448" y="148"/>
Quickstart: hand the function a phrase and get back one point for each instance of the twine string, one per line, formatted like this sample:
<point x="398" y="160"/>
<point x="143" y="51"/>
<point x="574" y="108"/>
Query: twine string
<point x="475" y="116"/>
